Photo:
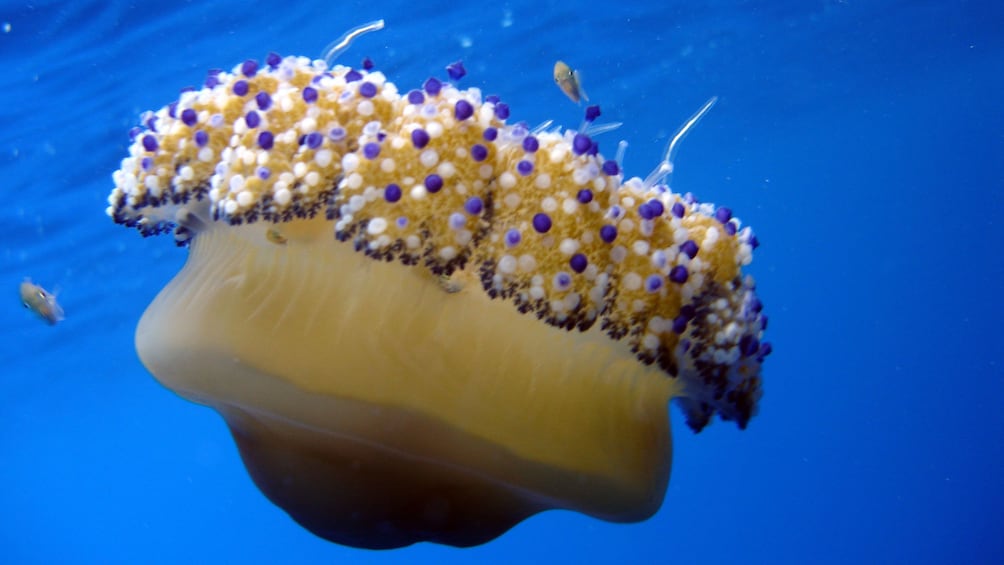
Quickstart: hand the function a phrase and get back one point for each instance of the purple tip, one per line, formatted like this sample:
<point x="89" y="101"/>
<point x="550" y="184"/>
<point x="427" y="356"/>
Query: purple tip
<point x="578" y="262"/>
<point x="502" y="110"/>
<point x="371" y="150"/>
<point x="241" y="87"/>
<point x="463" y="110"/>
<point x="723" y="214"/>
<point x="690" y="248"/>
<point x="266" y="140"/>
<point x="611" y="168"/>
<point x="368" y="63"/>
<point x="201" y="138"/>
<point x="479" y="152"/>
<point x="530" y="144"/>
<point x="433" y="183"/>
<point x="252" y="119"/>
<point x="678" y="274"/>
<point x="680" y="324"/>
<point x="419" y="138"/>
<point x="608" y="233"/>
<point x="310" y="95"/>
<point x="189" y="117"/>
<point x="456" y="70"/>
<point x="314" y="140"/>
<point x="337" y="134"/>
<point x="656" y="208"/>
<point x="432" y="86"/>
<point x="273" y="59"/>
<point x="264" y="100"/>
<point x="512" y="237"/>
<point x="524" y="167"/>
<point x="353" y="75"/>
<point x="653" y="283"/>
<point x="678" y="210"/>
<point x="542" y="223"/>
<point x="212" y="78"/>
<point x="149" y="143"/>
<point x="749" y="345"/>
<point x="592" y="112"/>
<point x="490" y="134"/>
<point x="416" y="97"/>
<point x="249" y="68"/>
<point x="392" y="193"/>
<point x="581" y="143"/>
<point x="367" y="89"/>
<point x="473" y="206"/>
<point x="585" y="196"/>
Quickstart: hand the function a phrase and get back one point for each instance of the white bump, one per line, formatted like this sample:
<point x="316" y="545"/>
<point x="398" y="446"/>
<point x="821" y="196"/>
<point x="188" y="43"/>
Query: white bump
<point x="353" y="181"/>
<point x="323" y="157"/>
<point x="527" y="263"/>
<point x="356" y="203"/>
<point x="507" y="180"/>
<point x="350" y="162"/>
<point x="282" y="196"/>
<point x="507" y="264"/>
<point x="446" y="170"/>
<point x="632" y="281"/>
<point x="568" y="246"/>
<point x="429" y="158"/>
<point x="376" y="226"/>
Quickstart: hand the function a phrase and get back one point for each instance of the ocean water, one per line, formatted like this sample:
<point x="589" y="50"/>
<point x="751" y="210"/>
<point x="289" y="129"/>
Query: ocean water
<point x="863" y="141"/>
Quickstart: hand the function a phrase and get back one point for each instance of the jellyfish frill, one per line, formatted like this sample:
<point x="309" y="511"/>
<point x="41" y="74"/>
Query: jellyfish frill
<point x="421" y="323"/>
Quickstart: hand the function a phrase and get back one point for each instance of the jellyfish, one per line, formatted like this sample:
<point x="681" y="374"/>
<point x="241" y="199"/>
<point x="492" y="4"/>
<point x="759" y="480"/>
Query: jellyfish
<point x="421" y="322"/>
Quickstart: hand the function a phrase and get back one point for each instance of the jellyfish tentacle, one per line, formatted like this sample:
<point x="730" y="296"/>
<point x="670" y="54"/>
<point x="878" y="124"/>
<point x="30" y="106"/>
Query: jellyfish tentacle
<point x="338" y="46"/>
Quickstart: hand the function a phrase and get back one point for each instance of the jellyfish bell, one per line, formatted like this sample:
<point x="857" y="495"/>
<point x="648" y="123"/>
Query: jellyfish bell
<point x="421" y="323"/>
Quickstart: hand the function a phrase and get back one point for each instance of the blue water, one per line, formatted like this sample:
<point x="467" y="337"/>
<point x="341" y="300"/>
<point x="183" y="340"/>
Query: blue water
<point x="864" y="141"/>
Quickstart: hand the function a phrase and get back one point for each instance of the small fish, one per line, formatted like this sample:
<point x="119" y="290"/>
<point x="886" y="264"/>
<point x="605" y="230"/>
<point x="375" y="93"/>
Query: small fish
<point x="275" y="236"/>
<point x="568" y="81"/>
<point x="41" y="302"/>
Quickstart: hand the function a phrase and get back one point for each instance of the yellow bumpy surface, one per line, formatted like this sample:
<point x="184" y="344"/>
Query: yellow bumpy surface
<point x="436" y="177"/>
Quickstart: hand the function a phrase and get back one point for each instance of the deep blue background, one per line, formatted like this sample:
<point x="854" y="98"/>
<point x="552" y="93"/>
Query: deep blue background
<point x="864" y="141"/>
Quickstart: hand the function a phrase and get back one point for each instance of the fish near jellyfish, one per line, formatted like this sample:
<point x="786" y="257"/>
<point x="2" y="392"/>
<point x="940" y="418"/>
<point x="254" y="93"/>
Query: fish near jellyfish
<point x="40" y="301"/>
<point x="464" y="323"/>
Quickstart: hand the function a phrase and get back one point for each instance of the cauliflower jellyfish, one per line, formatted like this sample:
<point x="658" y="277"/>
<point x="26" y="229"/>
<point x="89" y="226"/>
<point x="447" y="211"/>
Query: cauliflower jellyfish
<point x="422" y="323"/>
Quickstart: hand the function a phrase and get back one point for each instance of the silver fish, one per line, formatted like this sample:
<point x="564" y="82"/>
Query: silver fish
<point x="41" y="302"/>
